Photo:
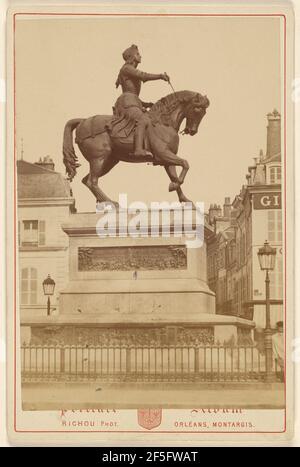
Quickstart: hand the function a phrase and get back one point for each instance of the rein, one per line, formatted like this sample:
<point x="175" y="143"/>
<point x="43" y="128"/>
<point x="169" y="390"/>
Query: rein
<point x="165" y="109"/>
<point x="182" y="132"/>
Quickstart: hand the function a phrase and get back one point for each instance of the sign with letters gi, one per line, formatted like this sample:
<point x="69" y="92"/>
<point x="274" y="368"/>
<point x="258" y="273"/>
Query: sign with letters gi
<point x="267" y="200"/>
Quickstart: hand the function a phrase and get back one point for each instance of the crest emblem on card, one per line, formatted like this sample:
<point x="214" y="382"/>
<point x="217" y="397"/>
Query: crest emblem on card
<point x="149" y="418"/>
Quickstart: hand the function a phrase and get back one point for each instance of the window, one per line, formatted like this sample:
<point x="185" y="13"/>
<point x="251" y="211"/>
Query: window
<point x="276" y="279"/>
<point x="28" y="286"/>
<point x="275" y="174"/>
<point x="275" y="225"/>
<point x="32" y="233"/>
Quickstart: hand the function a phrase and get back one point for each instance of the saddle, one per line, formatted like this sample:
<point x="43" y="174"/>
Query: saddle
<point x="120" y="129"/>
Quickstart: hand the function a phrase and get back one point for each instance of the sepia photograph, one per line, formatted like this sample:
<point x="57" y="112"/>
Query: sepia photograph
<point x="150" y="226"/>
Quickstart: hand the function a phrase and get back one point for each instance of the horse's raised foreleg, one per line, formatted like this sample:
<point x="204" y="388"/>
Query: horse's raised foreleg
<point x="185" y="168"/>
<point x="173" y="160"/>
<point x="171" y="171"/>
<point x="166" y="151"/>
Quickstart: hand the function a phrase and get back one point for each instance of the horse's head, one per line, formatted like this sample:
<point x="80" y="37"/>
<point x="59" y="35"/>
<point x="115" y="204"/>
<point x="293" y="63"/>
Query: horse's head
<point x="194" y="112"/>
<point x="191" y="105"/>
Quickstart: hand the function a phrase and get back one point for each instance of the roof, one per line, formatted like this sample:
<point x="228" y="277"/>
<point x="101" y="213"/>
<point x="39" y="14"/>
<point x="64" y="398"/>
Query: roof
<point x="35" y="181"/>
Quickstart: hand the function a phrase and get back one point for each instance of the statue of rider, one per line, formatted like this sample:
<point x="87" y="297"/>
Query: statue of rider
<point x="129" y="104"/>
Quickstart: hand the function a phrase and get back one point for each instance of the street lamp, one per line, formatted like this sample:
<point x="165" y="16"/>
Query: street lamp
<point x="266" y="256"/>
<point x="48" y="286"/>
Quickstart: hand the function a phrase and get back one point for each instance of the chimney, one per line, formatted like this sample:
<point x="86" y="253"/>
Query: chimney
<point x="227" y="207"/>
<point x="259" y="173"/>
<point x="273" y="134"/>
<point x="46" y="163"/>
<point x="261" y="155"/>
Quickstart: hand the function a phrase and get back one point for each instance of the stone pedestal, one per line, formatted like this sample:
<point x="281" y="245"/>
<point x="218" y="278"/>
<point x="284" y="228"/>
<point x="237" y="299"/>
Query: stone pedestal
<point x="135" y="289"/>
<point x="134" y="279"/>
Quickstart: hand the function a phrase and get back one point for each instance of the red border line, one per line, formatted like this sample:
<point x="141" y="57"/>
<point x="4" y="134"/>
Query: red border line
<point x="15" y="225"/>
<point x="15" y="204"/>
<point x="285" y="227"/>
<point x="142" y="431"/>
<point x="151" y="14"/>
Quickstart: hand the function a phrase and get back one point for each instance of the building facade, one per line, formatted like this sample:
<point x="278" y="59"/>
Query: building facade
<point x="240" y="229"/>
<point x="44" y="202"/>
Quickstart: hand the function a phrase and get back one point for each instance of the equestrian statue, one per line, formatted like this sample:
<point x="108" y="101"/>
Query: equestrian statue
<point x="136" y="132"/>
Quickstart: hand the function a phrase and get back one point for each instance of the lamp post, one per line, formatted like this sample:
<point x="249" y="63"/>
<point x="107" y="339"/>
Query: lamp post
<point x="48" y="286"/>
<point x="266" y="256"/>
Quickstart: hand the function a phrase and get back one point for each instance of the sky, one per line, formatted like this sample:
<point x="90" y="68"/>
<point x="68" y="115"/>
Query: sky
<point x="67" y="68"/>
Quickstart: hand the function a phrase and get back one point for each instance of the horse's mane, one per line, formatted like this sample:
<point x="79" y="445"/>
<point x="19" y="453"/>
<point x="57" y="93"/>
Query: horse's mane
<point x="161" y="110"/>
<point x="170" y="99"/>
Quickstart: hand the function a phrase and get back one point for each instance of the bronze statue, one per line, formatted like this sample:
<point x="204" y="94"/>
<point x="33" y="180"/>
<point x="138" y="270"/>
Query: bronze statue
<point x="134" y="134"/>
<point x="129" y="105"/>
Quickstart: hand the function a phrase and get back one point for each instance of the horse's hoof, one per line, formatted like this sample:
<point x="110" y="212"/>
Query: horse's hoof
<point x="187" y="201"/>
<point x="173" y="186"/>
<point x="101" y="205"/>
<point x="113" y="204"/>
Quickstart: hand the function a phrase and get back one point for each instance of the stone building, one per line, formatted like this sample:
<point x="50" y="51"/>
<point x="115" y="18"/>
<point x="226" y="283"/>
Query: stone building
<point x="44" y="202"/>
<point x="240" y="229"/>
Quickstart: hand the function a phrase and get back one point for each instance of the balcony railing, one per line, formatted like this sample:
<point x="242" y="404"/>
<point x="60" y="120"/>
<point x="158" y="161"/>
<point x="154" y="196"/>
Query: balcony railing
<point x="207" y="363"/>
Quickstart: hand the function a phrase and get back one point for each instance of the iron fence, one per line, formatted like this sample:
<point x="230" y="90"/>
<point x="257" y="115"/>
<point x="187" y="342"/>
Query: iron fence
<point x="142" y="363"/>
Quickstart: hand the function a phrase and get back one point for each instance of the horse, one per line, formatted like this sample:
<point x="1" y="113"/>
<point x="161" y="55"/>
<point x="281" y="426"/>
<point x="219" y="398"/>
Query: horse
<point x="103" y="149"/>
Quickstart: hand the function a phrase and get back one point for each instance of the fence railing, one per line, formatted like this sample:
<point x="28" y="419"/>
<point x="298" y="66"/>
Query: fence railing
<point x="142" y="363"/>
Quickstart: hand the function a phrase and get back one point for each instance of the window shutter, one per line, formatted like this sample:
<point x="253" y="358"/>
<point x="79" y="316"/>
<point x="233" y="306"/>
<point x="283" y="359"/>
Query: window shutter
<point x="42" y="233"/>
<point x="33" y="286"/>
<point x="24" y="286"/>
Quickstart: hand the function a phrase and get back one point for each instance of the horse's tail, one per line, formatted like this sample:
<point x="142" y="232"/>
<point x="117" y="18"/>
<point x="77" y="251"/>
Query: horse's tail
<point x="70" y="158"/>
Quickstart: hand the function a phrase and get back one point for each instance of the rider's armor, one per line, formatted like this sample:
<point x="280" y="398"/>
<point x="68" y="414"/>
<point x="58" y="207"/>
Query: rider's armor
<point x="129" y="105"/>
